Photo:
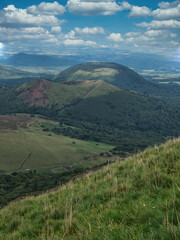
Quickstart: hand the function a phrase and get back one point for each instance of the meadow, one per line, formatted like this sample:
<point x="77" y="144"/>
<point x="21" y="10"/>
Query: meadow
<point x="29" y="140"/>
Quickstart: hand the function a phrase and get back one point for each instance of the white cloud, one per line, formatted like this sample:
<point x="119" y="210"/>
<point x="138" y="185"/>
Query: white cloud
<point x="173" y="35"/>
<point x="15" y="17"/>
<point x="70" y="35"/>
<point x="152" y="36"/>
<point x="167" y="13"/>
<point x="84" y="31"/>
<point x="30" y="35"/>
<point x="165" y="24"/>
<point x="89" y="31"/>
<point x="56" y="29"/>
<point x="132" y="34"/>
<point x="156" y="33"/>
<point x="139" y="11"/>
<point x="116" y="37"/>
<point x="106" y="7"/>
<point x="168" y="4"/>
<point x="47" y="9"/>
<point x="174" y="43"/>
<point x="130" y="39"/>
<point x="125" y="6"/>
<point x="78" y="42"/>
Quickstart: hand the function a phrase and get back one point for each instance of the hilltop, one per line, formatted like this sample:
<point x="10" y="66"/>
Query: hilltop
<point x="133" y="199"/>
<point x="119" y="76"/>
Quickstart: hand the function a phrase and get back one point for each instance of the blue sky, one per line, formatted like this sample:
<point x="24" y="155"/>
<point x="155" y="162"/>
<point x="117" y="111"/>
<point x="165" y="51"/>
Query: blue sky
<point x="68" y="27"/>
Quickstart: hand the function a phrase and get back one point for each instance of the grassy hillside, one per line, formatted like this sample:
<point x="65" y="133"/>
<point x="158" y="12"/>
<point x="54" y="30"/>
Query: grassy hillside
<point x="57" y="94"/>
<point x="28" y="143"/>
<point x="120" y="76"/>
<point x="138" y="198"/>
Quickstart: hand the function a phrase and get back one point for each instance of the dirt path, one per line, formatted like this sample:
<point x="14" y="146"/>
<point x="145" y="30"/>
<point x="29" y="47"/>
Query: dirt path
<point x="22" y="164"/>
<point x="92" y="90"/>
<point x="26" y="149"/>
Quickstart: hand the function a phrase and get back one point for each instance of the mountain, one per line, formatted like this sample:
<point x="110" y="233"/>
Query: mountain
<point x="10" y="76"/>
<point x="37" y="60"/>
<point x="136" y="60"/>
<point x="119" y="76"/>
<point x="133" y="199"/>
<point x="97" y="111"/>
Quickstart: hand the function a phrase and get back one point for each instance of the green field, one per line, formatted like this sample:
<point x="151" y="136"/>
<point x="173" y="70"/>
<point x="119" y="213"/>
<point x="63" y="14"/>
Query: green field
<point x="48" y="151"/>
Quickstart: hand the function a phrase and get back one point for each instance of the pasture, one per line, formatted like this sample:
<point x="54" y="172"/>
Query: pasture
<point x="24" y="144"/>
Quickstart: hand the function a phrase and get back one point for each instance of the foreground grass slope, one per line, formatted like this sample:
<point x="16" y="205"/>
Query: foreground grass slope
<point x="138" y="198"/>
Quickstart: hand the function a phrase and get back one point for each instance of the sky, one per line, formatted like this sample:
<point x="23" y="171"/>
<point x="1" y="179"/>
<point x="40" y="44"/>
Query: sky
<point x="72" y="26"/>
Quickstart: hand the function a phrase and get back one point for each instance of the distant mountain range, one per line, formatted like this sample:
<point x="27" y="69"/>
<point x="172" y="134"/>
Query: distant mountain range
<point x="133" y="60"/>
<point x="10" y="76"/>
<point x="33" y="60"/>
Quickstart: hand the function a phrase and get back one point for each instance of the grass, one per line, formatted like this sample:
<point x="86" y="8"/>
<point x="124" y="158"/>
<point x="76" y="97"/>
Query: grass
<point x="134" y="199"/>
<point x="47" y="150"/>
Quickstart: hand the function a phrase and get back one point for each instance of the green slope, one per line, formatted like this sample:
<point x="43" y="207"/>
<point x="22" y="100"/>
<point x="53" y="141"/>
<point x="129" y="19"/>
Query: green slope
<point x="138" y="198"/>
<point x="23" y="142"/>
<point x="120" y="76"/>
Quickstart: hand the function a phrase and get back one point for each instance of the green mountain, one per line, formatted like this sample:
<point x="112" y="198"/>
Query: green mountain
<point x="120" y="76"/>
<point x="97" y="111"/>
<point x="133" y="199"/>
